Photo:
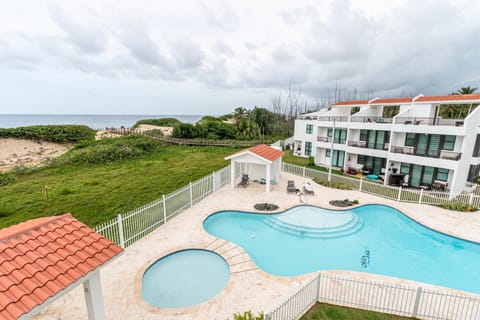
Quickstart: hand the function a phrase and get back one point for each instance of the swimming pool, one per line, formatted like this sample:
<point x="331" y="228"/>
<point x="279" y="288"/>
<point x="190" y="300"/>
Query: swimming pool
<point x="382" y="240"/>
<point x="184" y="278"/>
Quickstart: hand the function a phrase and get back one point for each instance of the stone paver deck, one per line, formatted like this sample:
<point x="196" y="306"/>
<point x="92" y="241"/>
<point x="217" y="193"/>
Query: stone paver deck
<point x="249" y="288"/>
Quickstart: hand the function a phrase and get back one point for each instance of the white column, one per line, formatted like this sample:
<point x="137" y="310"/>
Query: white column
<point x="232" y="174"/>
<point x="267" y="184"/>
<point x="92" y="289"/>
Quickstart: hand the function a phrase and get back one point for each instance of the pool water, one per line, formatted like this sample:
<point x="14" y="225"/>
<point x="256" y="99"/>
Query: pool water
<point x="378" y="239"/>
<point x="184" y="278"/>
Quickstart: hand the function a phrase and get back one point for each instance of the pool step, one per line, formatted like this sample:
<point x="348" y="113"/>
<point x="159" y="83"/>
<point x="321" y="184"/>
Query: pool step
<point x="236" y="257"/>
<point x="352" y="226"/>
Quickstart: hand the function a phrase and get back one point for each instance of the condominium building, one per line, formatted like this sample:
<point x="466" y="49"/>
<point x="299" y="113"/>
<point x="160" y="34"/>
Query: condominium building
<point x="402" y="141"/>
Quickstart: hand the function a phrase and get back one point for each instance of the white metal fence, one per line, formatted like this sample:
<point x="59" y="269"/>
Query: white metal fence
<point x="394" y="193"/>
<point x="132" y="226"/>
<point x="407" y="301"/>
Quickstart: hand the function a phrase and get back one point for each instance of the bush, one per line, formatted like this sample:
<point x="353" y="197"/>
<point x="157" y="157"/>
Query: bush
<point x="53" y="133"/>
<point x="6" y="178"/>
<point x="343" y="203"/>
<point x="109" y="150"/>
<point x="335" y="185"/>
<point x="457" y="206"/>
<point x="161" y="122"/>
<point x="265" y="206"/>
<point x="247" y="315"/>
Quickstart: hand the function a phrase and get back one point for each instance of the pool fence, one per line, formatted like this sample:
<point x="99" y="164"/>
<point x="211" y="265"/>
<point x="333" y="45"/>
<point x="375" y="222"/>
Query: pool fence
<point x="417" y="302"/>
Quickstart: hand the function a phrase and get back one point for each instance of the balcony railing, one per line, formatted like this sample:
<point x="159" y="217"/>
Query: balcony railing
<point x="329" y="139"/>
<point x="363" y="144"/>
<point x="371" y="119"/>
<point x="429" y="121"/>
<point x="331" y="118"/>
<point x="443" y="154"/>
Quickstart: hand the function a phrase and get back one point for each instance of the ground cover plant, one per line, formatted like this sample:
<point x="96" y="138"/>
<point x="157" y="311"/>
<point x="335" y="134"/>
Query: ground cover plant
<point x="343" y="203"/>
<point x="95" y="191"/>
<point x="51" y="133"/>
<point x="323" y="311"/>
<point x="161" y="122"/>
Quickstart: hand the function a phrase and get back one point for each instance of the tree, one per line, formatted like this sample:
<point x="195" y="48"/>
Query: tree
<point x="465" y="90"/>
<point x="459" y="111"/>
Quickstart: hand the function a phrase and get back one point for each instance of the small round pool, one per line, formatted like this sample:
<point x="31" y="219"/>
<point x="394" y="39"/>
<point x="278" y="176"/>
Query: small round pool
<point x="184" y="278"/>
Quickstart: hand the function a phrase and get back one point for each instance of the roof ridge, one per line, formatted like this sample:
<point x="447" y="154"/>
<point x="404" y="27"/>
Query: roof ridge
<point x="23" y="227"/>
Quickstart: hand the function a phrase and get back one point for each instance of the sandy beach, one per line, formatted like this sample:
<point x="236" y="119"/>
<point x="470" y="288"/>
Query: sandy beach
<point x="27" y="152"/>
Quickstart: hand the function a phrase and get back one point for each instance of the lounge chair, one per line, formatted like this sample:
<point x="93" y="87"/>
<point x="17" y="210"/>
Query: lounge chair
<point x="307" y="188"/>
<point x="291" y="186"/>
<point x="244" y="181"/>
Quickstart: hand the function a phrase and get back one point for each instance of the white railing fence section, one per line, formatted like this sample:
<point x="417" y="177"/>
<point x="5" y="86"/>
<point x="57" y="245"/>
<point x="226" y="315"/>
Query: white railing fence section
<point x="381" y="297"/>
<point x="132" y="226"/>
<point x="393" y="193"/>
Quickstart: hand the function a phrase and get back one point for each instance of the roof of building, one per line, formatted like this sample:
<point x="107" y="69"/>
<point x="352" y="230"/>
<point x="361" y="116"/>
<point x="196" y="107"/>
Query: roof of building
<point x="453" y="98"/>
<point x="41" y="257"/>
<point x="261" y="150"/>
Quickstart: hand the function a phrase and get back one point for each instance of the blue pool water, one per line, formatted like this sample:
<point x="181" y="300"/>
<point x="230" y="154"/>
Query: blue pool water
<point x="370" y="238"/>
<point x="184" y="278"/>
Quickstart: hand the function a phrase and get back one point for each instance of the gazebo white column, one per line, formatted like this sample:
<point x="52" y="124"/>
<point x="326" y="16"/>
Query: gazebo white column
<point x="92" y="289"/>
<point x="267" y="184"/>
<point x="232" y="174"/>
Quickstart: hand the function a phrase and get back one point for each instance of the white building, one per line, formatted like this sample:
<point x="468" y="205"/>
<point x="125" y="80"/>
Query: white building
<point x="402" y="140"/>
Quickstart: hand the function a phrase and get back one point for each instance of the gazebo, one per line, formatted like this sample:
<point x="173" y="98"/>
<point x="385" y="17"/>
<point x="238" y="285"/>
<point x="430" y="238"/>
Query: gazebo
<point x="43" y="259"/>
<point x="258" y="162"/>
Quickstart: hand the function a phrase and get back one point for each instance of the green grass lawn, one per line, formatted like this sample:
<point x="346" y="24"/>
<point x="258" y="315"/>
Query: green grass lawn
<point x="323" y="311"/>
<point x="96" y="193"/>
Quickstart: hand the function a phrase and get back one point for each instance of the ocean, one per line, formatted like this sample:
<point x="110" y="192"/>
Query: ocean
<point x="94" y="121"/>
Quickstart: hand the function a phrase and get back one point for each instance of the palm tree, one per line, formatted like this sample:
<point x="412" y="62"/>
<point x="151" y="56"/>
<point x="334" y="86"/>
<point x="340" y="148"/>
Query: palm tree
<point x="465" y="90"/>
<point x="458" y="111"/>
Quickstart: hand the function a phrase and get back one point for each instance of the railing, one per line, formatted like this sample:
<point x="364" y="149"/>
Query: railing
<point x="443" y="154"/>
<point x="363" y="144"/>
<point x="401" y="300"/>
<point x="324" y="139"/>
<point x="134" y="225"/>
<point x="331" y="118"/>
<point x="394" y="193"/>
<point x="371" y="119"/>
<point x="429" y="121"/>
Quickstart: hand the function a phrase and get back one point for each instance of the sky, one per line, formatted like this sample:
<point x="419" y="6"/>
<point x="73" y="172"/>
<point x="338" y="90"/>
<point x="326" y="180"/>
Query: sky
<point x="209" y="56"/>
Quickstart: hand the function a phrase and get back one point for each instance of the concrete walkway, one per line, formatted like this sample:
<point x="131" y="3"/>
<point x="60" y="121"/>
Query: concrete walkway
<point x="249" y="288"/>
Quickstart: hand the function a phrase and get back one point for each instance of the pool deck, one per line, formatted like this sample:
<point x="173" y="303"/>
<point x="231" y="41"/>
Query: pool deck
<point x="249" y="288"/>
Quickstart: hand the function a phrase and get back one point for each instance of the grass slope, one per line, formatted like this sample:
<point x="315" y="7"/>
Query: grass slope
<point x="329" y="312"/>
<point x="96" y="193"/>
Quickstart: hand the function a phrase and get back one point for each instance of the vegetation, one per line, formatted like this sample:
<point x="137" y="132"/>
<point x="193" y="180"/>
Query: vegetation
<point x="331" y="184"/>
<point x="343" y="203"/>
<point x="96" y="185"/>
<point x="323" y="311"/>
<point x="265" y="206"/>
<point x="452" y="111"/>
<point x="248" y="315"/>
<point x="161" y="122"/>
<point x="457" y="206"/>
<point x="52" y="133"/>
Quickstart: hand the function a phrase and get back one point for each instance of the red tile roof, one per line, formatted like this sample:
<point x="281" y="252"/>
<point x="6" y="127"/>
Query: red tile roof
<point x="391" y="100"/>
<point x="41" y="257"/>
<point x="262" y="150"/>
<point x="429" y="99"/>
<point x="351" y="103"/>
<point x="450" y="98"/>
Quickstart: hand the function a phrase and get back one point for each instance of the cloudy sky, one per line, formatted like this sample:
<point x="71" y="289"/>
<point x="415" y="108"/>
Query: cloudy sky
<point x="208" y="56"/>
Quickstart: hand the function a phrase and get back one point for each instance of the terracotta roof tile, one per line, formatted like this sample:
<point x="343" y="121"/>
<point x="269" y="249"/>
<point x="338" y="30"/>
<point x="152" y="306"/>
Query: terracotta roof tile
<point x="261" y="150"/>
<point x="392" y="100"/>
<point x="351" y="103"/>
<point x="41" y="257"/>
<point x="451" y="98"/>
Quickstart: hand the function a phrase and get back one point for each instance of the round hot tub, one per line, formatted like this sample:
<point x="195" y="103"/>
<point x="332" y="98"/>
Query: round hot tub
<point x="184" y="278"/>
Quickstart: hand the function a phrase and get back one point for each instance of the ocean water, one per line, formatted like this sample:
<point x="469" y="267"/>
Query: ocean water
<point x="95" y="121"/>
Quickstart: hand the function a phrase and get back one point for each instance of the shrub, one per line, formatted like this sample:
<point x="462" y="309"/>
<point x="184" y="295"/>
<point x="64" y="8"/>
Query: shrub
<point x="458" y="206"/>
<point x="311" y="161"/>
<point x="343" y="203"/>
<point x="52" y="133"/>
<point x="265" y="206"/>
<point x="22" y="169"/>
<point x="335" y="185"/>
<point x="247" y="315"/>
<point x="161" y="122"/>
<point x="6" y="178"/>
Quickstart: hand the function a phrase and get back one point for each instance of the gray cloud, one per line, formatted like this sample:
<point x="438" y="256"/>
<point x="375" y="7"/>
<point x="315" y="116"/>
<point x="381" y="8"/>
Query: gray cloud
<point x="221" y="15"/>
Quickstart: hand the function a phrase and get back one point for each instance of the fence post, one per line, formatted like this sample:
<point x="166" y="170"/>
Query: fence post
<point x="318" y="286"/>
<point x="120" y="231"/>
<point x="360" y="187"/>
<point x="191" y="194"/>
<point x="303" y="171"/>
<point x="214" y="177"/>
<point x="399" y="194"/>
<point x="417" y="302"/>
<point x="470" y="201"/>
<point x="421" y="196"/>
<point x="164" y="210"/>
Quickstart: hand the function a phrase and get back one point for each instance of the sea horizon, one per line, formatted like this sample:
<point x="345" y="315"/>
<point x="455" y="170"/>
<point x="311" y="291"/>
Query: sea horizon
<point x="94" y="121"/>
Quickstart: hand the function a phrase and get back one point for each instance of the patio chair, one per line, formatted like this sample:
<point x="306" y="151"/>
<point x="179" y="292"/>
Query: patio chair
<point x="244" y="181"/>
<point x="291" y="186"/>
<point x="404" y="183"/>
<point x="307" y="188"/>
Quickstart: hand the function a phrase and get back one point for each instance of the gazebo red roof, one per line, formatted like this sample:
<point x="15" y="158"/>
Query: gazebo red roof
<point x="41" y="257"/>
<point x="262" y="150"/>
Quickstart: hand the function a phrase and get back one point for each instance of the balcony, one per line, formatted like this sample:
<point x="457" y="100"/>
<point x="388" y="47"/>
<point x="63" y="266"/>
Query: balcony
<point x="371" y="119"/>
<point x="363" y="144"/>
<point x="333" y="118"/>
<point x="429" y="121"/>
<point x="329" y="139"/>
<point x="443" y="154"/>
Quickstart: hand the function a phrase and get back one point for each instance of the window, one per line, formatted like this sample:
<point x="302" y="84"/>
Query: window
<point x="442" y="174"/>
<point x="410" y="139"/>
<point x="309" y="128"/>
<point x="405" y="168"/>
<point x="361" y="159"/>
<point x="329" y="132"/>
<point x="327" y="153"/>
<point x="340" y="136"/>
<point x="449" y="143"/>
<point x="476" y="148"/>
<point x="308" y="148"/>
<point x="363" y="135"/>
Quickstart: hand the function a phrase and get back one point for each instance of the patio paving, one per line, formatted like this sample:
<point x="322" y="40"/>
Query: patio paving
<point x="249" y="288"/>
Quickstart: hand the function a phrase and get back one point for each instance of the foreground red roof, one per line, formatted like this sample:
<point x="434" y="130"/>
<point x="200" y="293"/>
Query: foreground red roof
<point x="351" y="103"/>
<point x="41" y="257"/>
<point x="262" y="150"/>
<point x="391" y="100"/>
<point x="450" y="98"/>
